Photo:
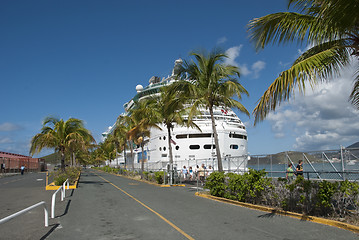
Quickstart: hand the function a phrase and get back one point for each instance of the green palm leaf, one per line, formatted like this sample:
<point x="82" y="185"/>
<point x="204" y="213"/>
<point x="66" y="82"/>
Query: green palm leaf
<point x="331" y="27"/>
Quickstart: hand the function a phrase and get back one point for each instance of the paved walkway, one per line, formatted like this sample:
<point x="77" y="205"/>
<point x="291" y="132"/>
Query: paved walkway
<point x="110" y="207"/>
<point x="18" y="192"/>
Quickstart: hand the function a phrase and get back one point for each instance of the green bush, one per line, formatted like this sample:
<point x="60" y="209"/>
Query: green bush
<point x="325" y="193"/>
<point x="60" y="179"/>
<point x="248" y="187"/>
<point x="320" y="198"/>
<point x="145" y="174"/>
<point x="70" y="173"/>
<point x="215" y="184"/>
<point x="159" y="177"/>
<point x="347" y="198"/>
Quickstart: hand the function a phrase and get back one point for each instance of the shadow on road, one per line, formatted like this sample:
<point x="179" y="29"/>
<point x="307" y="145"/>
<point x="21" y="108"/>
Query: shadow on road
<point x="93" y="182"/>
<point x="54" y="226"/>
<point x="268" y="215"/>
<point x="66" y="209"/>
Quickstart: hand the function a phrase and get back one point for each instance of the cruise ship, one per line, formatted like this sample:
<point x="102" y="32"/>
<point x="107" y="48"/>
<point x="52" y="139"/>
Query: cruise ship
<point x="190" y="146"/>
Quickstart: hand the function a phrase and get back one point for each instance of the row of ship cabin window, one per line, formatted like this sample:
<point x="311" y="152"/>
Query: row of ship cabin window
<point x="205" y="135"/>
<point x="207" y="146"/>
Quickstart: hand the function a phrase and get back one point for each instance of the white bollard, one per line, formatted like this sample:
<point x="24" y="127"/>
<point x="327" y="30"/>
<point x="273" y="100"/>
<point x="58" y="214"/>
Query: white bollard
<point x="53" y="202"/>
<point x="25" y="211"/>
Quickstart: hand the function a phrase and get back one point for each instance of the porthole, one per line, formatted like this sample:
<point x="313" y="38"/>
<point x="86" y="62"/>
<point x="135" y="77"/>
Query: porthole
<point x="234" y="135"/>
<point x="200" y="135"/>
<point x="160" y="138"/>
<point x="177" y="147"/>
<point x="164" y="138"/>
<point x="181" y="136"/>
<point x="194" y="147"/>
<point x="164" y="148"/>
<point x="233" y="146"/>
<point x="209" y="146"/>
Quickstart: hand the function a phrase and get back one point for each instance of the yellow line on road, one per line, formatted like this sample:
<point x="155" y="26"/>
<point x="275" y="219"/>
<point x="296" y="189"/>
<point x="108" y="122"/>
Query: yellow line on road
<point x="159" y="215"/>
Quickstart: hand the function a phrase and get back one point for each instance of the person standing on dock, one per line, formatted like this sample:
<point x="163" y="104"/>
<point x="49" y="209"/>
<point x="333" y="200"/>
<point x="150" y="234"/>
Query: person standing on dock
<point x="202" y="173"/>
<point x="184" y="172"/>
<point x="22" y="168"/>
<point x="190" y="170"/>
<point x="290" y="173"/>
<point x="299" y="169"/>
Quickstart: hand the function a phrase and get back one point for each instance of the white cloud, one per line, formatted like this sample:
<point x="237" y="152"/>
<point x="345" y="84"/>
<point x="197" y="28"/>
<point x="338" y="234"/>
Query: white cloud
<point x="8" y="127"/>
<point x="244" y="70"/>
<point x="322" y="119"/>
<point x="222" y="40"/>
<point x="14" y="145"/>
<point x="232" y="54"/>
<point x="5" y="140"/>
<point x="257" y="67"/>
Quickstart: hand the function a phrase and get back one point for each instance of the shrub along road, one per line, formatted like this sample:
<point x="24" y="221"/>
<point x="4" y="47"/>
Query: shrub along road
<point x="106" y="206"/>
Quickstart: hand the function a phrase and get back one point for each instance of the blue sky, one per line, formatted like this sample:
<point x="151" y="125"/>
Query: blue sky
<point x="83" y="59"/>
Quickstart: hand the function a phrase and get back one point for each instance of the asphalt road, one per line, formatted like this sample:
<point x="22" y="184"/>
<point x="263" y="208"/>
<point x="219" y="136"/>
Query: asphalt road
<point x="109" y="207"/>
<point x="19" y="192"/>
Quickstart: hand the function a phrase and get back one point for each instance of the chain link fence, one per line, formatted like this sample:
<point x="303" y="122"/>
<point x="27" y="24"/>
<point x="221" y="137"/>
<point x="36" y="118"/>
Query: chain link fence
<point x="341" y="164"/>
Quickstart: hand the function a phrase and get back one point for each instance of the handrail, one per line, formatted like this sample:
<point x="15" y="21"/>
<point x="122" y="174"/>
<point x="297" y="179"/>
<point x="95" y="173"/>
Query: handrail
<point x="53" y="198"/>
<point x="8" y="218"/>
<point x="64" y="189"/>
<point x="53" y="201"/>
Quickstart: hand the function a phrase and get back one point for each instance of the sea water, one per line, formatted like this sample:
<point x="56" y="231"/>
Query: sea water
<point x="319" y="171"/>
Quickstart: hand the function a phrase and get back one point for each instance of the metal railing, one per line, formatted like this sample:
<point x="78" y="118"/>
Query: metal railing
<point x="27" y="210"/>
<point x="229" y="163"/>
<point x="53" y="198"/>
<point x="64" y="189"/>
<point x="340" y="164"/>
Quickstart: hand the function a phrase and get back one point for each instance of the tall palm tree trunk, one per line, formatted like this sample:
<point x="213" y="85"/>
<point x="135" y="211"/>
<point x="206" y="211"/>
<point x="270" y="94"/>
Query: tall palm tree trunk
<point x="124" y="154"/>
<point x="214" y="129"/>
<point x="132" y="157"/>
<point x="74" y="159"/>
<point x="170" y="152"/>
<point x="143" y="158"/>
<point x="62" y="151"/>
<point x="169" y="144"/>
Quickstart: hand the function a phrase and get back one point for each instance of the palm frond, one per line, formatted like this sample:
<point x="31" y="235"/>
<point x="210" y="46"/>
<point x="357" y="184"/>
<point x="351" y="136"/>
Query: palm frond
<point x="309" y="67"/>
<point x="354" y="96"/>
<point x="281" y="27"/>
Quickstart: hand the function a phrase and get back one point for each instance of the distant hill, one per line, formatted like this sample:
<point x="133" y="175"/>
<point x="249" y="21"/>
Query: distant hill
<point x="355" y="145"/>
<point x="296" y="156"/>
<point x="282" y="157"/>
<point x="277" y="158"/>
<point x="52" y="158"/>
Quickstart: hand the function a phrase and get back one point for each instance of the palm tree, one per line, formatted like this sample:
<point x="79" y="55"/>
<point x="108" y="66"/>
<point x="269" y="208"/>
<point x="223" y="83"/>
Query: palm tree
<point x="143" y="119"/>
<point x="331" y="27"/>
<point x="95" y="157"/>
<point x="107" y="150"/>
<point x="58" y="134"/>
<point x="79" y="147"/>
<point x="168" y="108"/>
<point x="120" y="136"/>
<point x="210" y="83"/>
<point x="127" y="123"/>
